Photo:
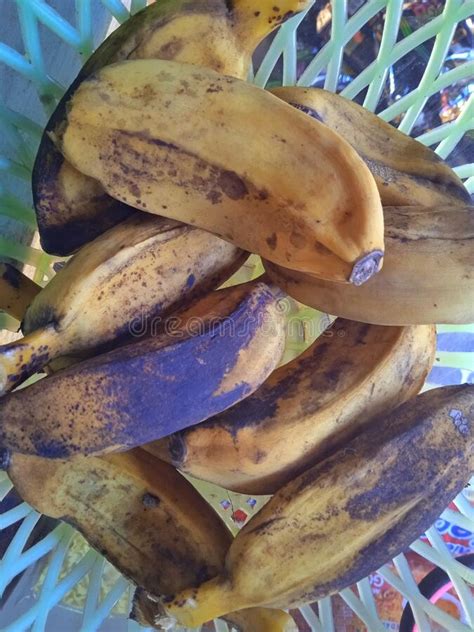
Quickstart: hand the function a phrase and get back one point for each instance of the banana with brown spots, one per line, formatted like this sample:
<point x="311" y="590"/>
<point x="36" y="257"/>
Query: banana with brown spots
<point x="406" y="172"/>
<point x="72" y="208"/>
<point x="121" y="285"/>
<point x="428" y="273"/>
<point x="306" y="409"/>
<point x="226" y="156"/>
<point x="144" y="517"/>
<point x="348" y="515"/>
<point x="208" y="359"/>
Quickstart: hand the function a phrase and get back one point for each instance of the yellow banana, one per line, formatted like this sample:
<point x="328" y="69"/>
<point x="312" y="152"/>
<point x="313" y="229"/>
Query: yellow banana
<point x="120" y="285"/>
<point x="428" y="273"/>
<point x="72" y="209"/>
<point x="306" y="409"/>
<point x="16" y="291"/>
<point x="347" y="516"/>
<point x="280" y="184"/>
<point x="143" y="516"/>
<point x="211" y="357"/>
<point x="406" y="172"/>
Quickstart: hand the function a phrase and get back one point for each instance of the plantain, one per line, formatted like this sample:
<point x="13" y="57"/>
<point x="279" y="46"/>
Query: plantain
<point x="346" y="516"/>
<point x="16" y="291"/>
<point x="209" y="358"/>
<point x="148" y="131"/>
<point x="406" y="172"/>
<point x="142" y="516"/>
<point x="73" y="209"/>
<point x="306" y="409"/>
<point x="118" y="287"/>
<point x="428" y="274"/>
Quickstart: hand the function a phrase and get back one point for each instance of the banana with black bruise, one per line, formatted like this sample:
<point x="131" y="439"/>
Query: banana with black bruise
<point x="406" y="172"/>
<point x="428" y="273"/>
<point x="152" y="144"/>
<point x="143" y="391"/>
<point x="144" y="517"/>
<point x="72" y="209"/>
<point x="368" y="502"/>
<point x="306" y="409"/>
<point x="120" y="286"/>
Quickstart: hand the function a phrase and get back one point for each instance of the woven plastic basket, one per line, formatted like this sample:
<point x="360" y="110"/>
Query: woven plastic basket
<point x="409" y="61"/>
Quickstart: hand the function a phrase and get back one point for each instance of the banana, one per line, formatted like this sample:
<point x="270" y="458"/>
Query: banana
<point x="406" y="172"/>
<point x="73" y="209"/>
<point x="428" y="273"/>
<point x="348" y="515"/>
<point x="148" y="131"/>
<point x="142" y="516"/>
<point x="306" y="409"/>
<point x="210" y="357"/>
<point x="16" y="291"/>
<point x="118" y="286"/>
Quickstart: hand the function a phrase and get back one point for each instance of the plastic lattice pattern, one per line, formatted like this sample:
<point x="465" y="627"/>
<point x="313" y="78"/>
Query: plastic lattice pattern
<point x="42" y="44"/>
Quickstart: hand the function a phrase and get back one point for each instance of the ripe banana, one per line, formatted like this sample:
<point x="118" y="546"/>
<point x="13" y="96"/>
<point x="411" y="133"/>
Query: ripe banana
<point x="428" y="273"/>
<point x="118" y="286"/>
<point x="16" y="291"/>
<point x="306" y="409"/>
<point x="406" y="172"/>
<point x="219" y="352"/>
<point x="348" y="515"/>
<point x="72" y="209"/>
<point x="142" y="516"/>
<point x="148" y="131"/>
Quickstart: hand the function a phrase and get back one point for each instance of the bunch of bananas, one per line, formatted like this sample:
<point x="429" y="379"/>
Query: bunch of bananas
<point x="159" y="172"/>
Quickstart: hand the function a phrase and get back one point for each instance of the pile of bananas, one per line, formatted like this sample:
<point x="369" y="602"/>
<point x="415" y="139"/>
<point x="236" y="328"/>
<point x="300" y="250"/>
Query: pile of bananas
<point x="160" y="171"/>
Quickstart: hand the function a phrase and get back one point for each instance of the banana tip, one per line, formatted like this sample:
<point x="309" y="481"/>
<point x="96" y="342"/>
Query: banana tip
<point x="365" y="267"/>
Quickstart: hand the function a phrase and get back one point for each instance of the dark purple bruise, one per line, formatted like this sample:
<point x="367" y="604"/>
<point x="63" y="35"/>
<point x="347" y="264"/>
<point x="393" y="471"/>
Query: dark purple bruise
<point x="12" y="276"/>
<point x="179" y="392"/>
<point x="264" y="402"/>
<point x="142" y="393"/>
<point x="50" y="448"/>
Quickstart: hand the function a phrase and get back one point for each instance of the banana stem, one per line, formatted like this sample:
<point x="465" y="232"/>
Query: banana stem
<point x="20" y="359"/>
<point x="195" y="606"/>
<point x="254" y="21"/>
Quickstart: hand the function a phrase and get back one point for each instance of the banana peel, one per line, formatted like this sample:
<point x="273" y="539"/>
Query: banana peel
<point x="72" y="209"/>
<point x="406" y="172"/>
<point x="306" y="409"/>
<point x="118" y="288"/>
<point x="348" y="515"/>
<point x="148" y="130"/>
<point x="143" y="516"/>
<point x="209" y="358"/>
<point x="428" y="273"/>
